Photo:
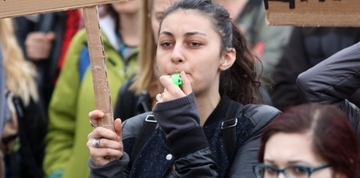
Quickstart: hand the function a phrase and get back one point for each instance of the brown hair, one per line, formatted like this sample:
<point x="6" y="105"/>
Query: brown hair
<point x="333" y="137"/>
<point x="146" y="57"/>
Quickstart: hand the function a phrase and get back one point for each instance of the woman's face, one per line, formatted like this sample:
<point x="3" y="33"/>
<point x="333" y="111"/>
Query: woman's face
<point x="157" y="14"/>
<point x="289" y="149"/>
<point x="127" y="7"/>
<point x="188" y="42"/>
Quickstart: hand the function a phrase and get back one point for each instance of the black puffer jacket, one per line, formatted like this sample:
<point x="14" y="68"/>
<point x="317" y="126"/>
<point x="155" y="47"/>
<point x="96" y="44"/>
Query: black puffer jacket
<point x="194" y="151"/>
<point x="333" y="81"/>
<point x="307" y="47"/>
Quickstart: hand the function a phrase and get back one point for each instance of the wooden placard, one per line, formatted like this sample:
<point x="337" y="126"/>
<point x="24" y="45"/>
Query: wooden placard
<point x="98" y="66"/>
<point x="14" y="8"/>
<point x="315" y="13"/>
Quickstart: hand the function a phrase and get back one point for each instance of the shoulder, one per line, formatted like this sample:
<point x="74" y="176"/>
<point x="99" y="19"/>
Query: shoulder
<point x="127" y="84"/>
<point x="78" y="41"/>
<point x="132" y="127"/>
<point x="260" y="115"/>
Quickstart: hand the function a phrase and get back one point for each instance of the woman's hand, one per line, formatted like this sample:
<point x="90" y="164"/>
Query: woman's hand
<point x="104" y="144"/>
<point x="172" y="91"/>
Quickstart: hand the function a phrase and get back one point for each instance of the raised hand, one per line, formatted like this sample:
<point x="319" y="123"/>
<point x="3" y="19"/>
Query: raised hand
<point x="104" y="144"/>
<point x="38" y="45"/>
<point x="172" y="91"/>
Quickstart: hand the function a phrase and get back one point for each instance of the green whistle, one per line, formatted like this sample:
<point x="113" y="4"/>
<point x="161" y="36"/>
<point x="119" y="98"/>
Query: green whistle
<point x="176" y="78"/>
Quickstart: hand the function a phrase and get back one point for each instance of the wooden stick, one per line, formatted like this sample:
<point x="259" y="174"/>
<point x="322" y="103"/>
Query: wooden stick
<point x="98" y="66"/>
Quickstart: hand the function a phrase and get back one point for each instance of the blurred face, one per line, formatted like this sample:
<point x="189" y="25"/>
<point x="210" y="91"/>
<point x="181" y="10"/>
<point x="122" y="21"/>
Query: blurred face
<point x="157" y="14"/>
<point x="127" y="7"/>
<point x="188" y="42"/>
<point x="294" y="149"/>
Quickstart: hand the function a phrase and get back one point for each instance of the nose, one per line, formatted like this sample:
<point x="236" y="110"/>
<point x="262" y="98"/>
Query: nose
<point x="281" y="175"/>
<point x="177" y="54"/>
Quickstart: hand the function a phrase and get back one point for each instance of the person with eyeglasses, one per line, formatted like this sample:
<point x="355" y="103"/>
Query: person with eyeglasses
<point x="309" y="141"/>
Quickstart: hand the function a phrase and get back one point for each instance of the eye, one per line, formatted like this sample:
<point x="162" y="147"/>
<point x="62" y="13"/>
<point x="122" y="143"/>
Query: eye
<point x="195" y="44"/>
<point x="166" y="44"/>
<point x="269" y="171"/>
<point x="297" y="171"/>
<point x="159" y="18"/>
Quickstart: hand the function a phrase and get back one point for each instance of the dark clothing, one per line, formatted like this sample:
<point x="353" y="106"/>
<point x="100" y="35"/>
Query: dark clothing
<point x="4" y="112"/>
<point x="333" y="81"/>
<point x="307" y="47"/>
<point x="27" y="161"/>
<point x="195" y="151"/>
<point x="128" y="104"/>
<point x="48" y="68"/>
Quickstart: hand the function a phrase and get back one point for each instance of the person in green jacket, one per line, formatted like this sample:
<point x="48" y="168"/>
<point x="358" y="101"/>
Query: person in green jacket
<point x="66" y="154"/>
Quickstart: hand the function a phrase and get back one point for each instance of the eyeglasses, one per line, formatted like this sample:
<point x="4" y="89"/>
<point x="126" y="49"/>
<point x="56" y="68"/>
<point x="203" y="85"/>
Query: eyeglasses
<point x="267" y="171"/>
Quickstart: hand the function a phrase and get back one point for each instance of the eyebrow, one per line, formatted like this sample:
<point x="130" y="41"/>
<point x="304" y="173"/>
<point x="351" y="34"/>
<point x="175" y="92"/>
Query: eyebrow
<point x="297" y="162"/>
<point x="270" y="161"/>
<point x="289" y="162"/>
<point x="186" y="34"/>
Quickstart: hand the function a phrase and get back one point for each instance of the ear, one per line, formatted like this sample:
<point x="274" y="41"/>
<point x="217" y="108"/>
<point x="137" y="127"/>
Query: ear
<point x="227" y="59"/>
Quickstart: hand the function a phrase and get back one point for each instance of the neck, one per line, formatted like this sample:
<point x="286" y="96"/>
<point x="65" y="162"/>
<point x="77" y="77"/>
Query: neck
<point x="129" y="28"/>
<point x="206" y="106"/>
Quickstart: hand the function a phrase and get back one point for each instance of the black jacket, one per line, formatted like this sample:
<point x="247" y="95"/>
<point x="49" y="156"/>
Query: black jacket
<point x="128" y="104"/>
<point x="333" y="81"/>
<point x="306" y="48"/>
<point x="47" y="69"/>
<point x="195" y="151"/>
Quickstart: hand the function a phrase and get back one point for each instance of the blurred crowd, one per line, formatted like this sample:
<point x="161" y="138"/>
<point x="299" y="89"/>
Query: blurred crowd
<point x="46" y="87"/>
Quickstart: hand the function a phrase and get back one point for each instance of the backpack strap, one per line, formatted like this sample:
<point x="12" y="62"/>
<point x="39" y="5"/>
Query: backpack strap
<point x="146" y="131"/>
<point x="228" y="127"/>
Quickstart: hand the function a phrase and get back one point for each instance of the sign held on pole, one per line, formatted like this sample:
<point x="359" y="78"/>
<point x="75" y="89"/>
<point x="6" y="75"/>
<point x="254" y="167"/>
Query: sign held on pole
<point x="315" y="13"/>
<point x="14" y="8"/>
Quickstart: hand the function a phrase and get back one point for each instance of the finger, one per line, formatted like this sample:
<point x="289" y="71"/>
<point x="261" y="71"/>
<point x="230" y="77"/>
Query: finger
<point x="50" y="36"/>
<point x="168" y="84"/>
<point x="95" y="115"/>
<point x="105" y="143"/>
<point x="106" y="139"/>
<point x="35" y="37"/>
<point x="39" y="52"/>
<point x="102" y="153"/>
<point x="186" y="85"/>
<point x="103" y="156"/>
<point x="118" y="128"/>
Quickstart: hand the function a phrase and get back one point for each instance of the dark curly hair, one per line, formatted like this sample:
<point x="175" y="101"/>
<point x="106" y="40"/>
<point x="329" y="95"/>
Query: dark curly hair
<point x="240" y="82"/>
